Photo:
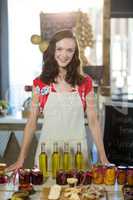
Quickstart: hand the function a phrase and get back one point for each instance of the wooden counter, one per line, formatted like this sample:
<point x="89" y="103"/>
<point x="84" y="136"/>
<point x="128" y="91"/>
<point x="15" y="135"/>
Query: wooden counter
<point x="113" y="192"/>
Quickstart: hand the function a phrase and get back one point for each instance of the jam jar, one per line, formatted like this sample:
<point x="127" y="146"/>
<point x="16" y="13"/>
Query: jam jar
<point x="110" y="174"/>
<point x="24" y="176"/>
<point x="121" y="175"/>
<point x="86" y="178"/>
<point x="61" y="177"/>
<point x="98" y="174"/>
<point x="130" y="175"/>
<point x="36" y="177"/>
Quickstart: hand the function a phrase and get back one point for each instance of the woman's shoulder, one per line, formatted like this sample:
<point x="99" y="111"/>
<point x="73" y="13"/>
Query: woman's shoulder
<point x="86" y="85"/>
<point x="38" y="82"/>
<point x="86" y="79"/>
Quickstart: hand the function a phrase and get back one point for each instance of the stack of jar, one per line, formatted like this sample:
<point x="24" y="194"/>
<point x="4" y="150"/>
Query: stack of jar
<point x="30" y="176"/>
<point x="83" y="177"/>
<point x="109" y="174"/>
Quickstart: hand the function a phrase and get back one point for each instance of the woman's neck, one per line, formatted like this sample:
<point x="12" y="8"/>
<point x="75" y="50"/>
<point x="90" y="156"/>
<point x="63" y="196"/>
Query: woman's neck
<point x="62" y="74"/>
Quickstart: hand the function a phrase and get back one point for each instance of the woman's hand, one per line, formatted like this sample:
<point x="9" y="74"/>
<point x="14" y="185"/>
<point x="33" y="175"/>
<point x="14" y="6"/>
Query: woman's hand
<point x="17" y="165"/>
<point x="104" y="160"/>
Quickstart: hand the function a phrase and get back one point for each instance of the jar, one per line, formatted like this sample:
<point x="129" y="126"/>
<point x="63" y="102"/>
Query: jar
<point x="24" y="176"/>
<point x="61" y="177"/>
<point x="121" y="175"/>
<point x="86" y="178"/>
<point x="36" y="177"/>
<point x="98" y="174"/>
<point x="110" y="174"/>
<point x="130" y="175"/>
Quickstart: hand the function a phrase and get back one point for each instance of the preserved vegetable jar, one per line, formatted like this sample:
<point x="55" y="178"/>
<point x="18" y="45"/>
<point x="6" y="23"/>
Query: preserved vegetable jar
<point x="110" y="174"/>
<point x="130" y="175"/>
<point x="24" y="176"/>
<point x="36" y="177"/>
<point x="61" y="177"/>
<point x="98" y="174"/>
<point x="121" y="175"/>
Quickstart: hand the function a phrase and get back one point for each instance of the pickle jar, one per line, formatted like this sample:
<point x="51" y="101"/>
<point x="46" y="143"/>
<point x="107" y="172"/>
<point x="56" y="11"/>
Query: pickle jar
<point x="130" y="175"/>
<point x="61" y="177"/>
<point x="24" y="176"/>
<point x="36" y="177"/>
<point x="98" y="174"/>
<point x="110" y="174"/>
<point x="121" y="175"/>
<point x="86" y="178"/>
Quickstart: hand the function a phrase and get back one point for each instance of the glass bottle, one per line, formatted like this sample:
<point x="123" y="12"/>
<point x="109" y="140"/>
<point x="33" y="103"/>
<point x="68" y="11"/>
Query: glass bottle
<point x="79" y="158"/>
<point x="43" y="166"/>
<point x="55" y="160"/>
<point x="66" y="157"/>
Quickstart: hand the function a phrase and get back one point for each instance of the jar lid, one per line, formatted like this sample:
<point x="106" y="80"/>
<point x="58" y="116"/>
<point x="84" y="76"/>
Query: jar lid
<point x="121" y="167"/>
<point x="110" y="165"/>
<point x="130" y="167"/>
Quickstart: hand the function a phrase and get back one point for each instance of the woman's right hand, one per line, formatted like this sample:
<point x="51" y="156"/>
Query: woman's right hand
<point x="14" y="167"/>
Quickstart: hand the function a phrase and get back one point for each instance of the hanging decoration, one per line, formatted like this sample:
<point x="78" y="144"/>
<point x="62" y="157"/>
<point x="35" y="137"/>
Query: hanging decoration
<point x="37" y="40"/>
<point x="84" y="34"/>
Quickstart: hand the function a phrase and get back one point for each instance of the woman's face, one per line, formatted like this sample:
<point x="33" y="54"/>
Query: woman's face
<point x="64" y="51"/>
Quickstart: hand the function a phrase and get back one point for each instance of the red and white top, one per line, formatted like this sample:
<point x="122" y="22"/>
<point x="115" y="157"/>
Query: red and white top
<point x="42" y="90"/>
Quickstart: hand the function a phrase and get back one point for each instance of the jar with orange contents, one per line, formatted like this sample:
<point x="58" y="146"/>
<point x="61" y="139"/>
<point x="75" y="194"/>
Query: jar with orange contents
<point x="130" y="175"/>
<point x="98" y="174"/>
<point x="110" y="174"/>
<point x="121" y="175"/>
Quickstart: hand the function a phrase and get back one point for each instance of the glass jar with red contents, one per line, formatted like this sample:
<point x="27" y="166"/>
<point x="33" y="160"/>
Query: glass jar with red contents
<point x="24" y="176"/>
<point x="36" y="177"/>
<point x="75" y="174"/>
<point x="86" y="178"/>
<point x="130" y="175"/>
<point x="121" y="175"/>
<point x="98" y="174"/>
<point x="110" y="174"/>
<point x="61" y="177"/>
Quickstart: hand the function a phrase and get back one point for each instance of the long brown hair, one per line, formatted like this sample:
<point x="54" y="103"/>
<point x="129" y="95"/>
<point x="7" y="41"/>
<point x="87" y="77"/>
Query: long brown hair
<point x="50" y="68"/>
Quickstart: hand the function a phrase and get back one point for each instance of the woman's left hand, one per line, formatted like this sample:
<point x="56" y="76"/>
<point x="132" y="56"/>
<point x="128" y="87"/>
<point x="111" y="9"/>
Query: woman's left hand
<point x="104" y="160"/>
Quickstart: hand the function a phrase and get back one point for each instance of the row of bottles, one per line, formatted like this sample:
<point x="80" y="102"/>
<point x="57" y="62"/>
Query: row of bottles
<point x="56" y="159"/>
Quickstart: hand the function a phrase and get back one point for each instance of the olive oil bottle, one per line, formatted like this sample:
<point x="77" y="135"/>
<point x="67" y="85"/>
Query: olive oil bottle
<point x="55" y="160"/>
<point x="79" y="160"/>
<point x="66" y="157"/>
<point x="43" y="166"/>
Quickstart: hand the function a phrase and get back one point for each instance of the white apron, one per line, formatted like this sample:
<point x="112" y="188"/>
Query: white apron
<point x="63" y="122"/>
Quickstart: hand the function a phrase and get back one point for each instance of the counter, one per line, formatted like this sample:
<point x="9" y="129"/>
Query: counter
<point x="113" y="192"/>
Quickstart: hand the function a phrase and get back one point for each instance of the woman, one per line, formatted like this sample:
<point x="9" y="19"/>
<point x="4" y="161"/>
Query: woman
<point x="63" y="94"/>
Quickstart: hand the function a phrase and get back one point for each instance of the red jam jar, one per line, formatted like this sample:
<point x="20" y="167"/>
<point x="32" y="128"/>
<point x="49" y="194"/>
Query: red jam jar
<point x="61" y="177"/>
<point x="36" y="177"/>
<point x="86" y="178"/>
<point x="3" y="179"/>
<point x="24" y="176"/>
<point x="130" y="175"/>
<point x="121" y="175"/>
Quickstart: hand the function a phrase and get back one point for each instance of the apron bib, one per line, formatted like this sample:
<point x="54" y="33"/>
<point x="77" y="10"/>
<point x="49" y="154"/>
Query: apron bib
<point x="63" y="122"/>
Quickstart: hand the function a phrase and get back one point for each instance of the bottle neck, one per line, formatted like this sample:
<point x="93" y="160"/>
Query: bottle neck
<point x="79" y="147"/>
<point x="55" y="147"/>
<point x="66" y="147"/>
<point x="43" y="147"/>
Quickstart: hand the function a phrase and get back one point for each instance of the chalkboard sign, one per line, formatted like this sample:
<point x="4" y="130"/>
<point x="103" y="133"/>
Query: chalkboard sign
<point x="118" y="134"/>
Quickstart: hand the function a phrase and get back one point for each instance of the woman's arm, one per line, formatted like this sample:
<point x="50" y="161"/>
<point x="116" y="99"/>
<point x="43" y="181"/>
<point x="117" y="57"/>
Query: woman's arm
<point x="94" y="126"/>
<point x="29" y="130"/>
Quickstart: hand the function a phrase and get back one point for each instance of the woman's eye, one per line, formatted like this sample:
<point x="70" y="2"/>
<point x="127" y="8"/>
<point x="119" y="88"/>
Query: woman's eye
<point x="58" y="49"/>
<point x="71" y="50"/>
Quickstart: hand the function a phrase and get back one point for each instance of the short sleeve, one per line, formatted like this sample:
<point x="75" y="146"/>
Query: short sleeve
<point x="88" y="84"/>
<point x="41" y="90"/>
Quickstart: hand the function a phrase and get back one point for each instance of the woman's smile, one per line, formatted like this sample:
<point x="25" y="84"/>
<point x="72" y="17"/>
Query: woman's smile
<point x="64" y="52"/>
